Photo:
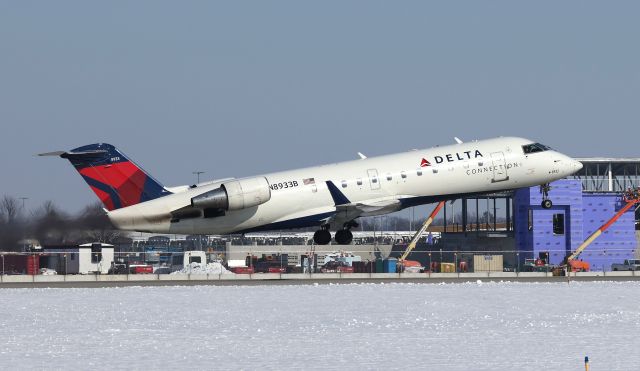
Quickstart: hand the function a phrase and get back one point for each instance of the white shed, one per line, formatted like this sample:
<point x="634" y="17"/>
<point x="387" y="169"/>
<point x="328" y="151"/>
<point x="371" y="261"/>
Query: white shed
<point x="89" y="258"/>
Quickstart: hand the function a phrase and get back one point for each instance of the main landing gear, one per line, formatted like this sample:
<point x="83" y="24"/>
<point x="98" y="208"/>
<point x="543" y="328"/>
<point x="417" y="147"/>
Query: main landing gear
<point x="343" y="236"/>
<point x="322" y="236"/>
<point x="546" y="202"/>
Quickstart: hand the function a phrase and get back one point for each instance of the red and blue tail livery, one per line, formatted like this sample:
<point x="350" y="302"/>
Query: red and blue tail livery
<point x="116" y="180"/>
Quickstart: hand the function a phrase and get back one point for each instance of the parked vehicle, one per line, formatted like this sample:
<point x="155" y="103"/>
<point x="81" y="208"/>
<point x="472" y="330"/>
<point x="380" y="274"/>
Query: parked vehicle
<point x="628" y="265"/>
<point x="118" y="268"/>
<point x="183" y="260"/>
<point x="162" y="270"/>
<point x="336" y="267"/>
<point x="140" y="269"/>
<point x="242" y="270"/>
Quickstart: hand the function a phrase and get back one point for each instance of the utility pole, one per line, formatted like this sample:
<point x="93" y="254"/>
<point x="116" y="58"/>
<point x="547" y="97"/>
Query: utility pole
<point x="24" y="225"/>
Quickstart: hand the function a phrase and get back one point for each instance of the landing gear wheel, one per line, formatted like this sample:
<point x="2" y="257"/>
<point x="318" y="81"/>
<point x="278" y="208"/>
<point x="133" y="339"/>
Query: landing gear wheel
<point x="546" y="202"/>
<point x="344" y="237"/>
<point x="322" y="237"/>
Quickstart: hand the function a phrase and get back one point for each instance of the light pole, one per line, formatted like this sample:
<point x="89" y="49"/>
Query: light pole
<point x="24" y="225"/>
<point x="197" y="173"/>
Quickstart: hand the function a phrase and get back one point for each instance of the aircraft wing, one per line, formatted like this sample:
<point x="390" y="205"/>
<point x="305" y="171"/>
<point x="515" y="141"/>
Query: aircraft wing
<point x="347" y="211"/>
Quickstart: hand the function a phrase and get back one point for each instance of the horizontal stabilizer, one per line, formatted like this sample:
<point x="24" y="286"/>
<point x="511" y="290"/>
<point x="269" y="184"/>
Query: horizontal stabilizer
<point x="56" y="153"/>
<point x="69" y="154"/>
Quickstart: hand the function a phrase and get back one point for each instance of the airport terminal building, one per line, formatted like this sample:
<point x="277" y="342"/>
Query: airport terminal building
<point x="518" y="229"/>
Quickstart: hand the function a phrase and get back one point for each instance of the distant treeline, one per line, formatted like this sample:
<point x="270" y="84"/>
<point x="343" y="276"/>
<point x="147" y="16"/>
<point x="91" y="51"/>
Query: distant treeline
<point x="50" y="225"/>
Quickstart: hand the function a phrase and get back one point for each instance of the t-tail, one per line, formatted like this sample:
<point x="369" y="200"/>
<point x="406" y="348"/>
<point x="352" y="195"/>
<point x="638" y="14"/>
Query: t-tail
<point x="117" y="181"/>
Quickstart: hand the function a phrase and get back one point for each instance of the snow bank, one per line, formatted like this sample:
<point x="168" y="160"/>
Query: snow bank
<point x="492" y="326"/>
<point x="197" y="268"/>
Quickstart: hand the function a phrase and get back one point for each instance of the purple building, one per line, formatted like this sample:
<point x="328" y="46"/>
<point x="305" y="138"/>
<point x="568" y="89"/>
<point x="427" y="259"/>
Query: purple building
<point x="574" y="216"/>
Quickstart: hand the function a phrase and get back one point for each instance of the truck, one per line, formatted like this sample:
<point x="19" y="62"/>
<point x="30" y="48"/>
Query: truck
<point x="183" y="260"/>
<point x="628" y="265"/>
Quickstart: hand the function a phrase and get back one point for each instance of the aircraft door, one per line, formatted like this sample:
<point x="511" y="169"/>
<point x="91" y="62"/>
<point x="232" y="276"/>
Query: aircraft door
<point x="499" y="165"/>
<point x="374" y="179"/>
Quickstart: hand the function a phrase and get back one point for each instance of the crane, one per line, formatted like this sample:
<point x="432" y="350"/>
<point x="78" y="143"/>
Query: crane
<point x="416" y="237"/>
<point x="631" y="197"/>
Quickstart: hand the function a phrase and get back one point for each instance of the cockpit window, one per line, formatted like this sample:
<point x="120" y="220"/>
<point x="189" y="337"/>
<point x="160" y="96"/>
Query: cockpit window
<point x="534" y="147"/>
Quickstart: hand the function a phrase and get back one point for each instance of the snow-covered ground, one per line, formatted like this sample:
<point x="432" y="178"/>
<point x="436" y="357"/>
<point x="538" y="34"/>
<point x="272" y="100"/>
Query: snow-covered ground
<point x="209" y="268"/>
<point x="496" y="326"/>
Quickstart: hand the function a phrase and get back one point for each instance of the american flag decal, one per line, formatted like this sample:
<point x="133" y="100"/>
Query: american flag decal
<point x="309" y="181"/>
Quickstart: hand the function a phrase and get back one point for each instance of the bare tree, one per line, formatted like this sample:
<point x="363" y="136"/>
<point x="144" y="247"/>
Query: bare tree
<point x="10" y="227"/>
<point x="51" y="225"/>
<point x="9" y="208"/>
<point x="95" y="225"/>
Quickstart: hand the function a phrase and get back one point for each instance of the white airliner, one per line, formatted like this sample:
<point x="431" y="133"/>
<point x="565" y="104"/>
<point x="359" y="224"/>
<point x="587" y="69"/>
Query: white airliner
<point x="329" y="196"/>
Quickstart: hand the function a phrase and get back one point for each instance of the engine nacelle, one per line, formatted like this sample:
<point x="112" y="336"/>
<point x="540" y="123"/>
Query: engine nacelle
<point x="235" y="195"/>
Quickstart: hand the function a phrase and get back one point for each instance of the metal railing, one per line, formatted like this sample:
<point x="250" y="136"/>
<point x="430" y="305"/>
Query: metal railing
<point x="361" y="259"/>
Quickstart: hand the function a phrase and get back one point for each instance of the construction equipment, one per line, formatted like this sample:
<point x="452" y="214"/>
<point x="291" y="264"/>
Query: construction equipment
<point x="416" y="237"/>
<point x="631" y="197"/>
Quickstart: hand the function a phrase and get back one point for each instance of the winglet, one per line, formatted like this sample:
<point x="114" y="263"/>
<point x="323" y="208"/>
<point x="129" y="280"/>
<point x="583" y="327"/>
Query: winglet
<point x="362" y="157"/>
<point x="458" y="140"/>
<point x="338" y="197"/>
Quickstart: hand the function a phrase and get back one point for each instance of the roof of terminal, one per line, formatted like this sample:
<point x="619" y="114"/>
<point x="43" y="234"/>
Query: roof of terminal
<point x="609" y="159"/>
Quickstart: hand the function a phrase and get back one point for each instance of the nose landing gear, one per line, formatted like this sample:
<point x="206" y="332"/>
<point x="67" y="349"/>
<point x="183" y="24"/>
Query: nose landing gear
<point x="546" y="202"/>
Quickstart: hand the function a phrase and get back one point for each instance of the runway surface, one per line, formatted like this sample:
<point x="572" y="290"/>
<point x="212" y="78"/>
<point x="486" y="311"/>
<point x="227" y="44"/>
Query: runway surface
<point x="457" y="326"/>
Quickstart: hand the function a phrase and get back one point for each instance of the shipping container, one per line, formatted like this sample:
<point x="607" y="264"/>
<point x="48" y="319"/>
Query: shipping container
<point x="20" y="264"/>
<point x="389" y="265"/>
<point x="447" y="268"/>
<point x="379" y="266"/>
<point x="488" y="263"/>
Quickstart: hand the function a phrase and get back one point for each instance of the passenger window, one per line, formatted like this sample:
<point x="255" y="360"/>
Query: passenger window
<point x="419" y="172"/>
<point x="403" y="175"/>
<point x="359" y="181"/>
<point x="389" y="177"/>
<point x="374" y="179"/>
<point x="344" y="184"/>
<point x="435" y="171"/>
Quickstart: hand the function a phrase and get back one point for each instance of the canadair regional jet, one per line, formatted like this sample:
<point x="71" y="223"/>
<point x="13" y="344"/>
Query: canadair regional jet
<point x="328" y="197"/>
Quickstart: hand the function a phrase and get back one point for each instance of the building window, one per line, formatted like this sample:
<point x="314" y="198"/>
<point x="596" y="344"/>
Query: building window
<point x="558" y="224"/>
<point x="530" y="220"/>
<point x="344" y="184"/>
<point x="359" y="181"/>
<point x="403" y="175"/>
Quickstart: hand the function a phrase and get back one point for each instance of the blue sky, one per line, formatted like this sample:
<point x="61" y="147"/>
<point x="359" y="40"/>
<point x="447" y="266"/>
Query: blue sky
<point x="242" y="88"/>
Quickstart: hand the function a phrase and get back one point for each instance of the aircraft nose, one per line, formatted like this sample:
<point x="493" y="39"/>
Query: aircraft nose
<point x="577" y="165"/>
<point x="572" y="166"/>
